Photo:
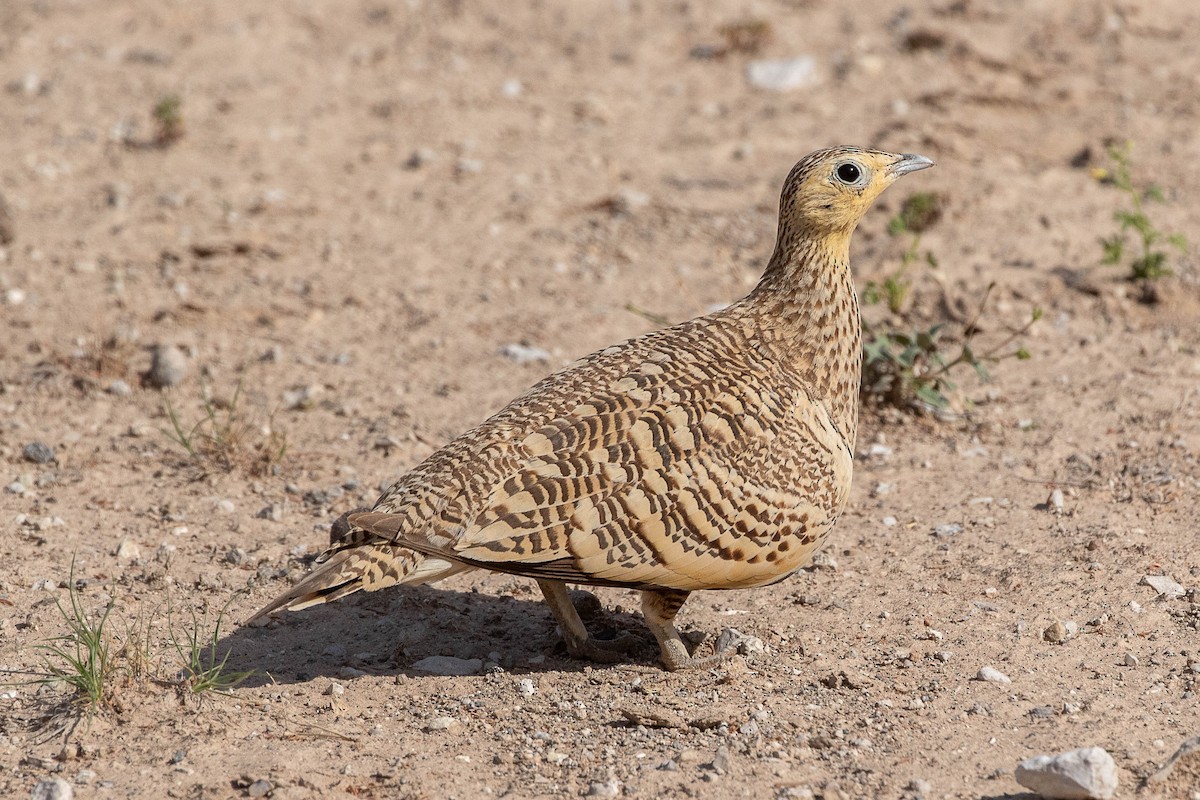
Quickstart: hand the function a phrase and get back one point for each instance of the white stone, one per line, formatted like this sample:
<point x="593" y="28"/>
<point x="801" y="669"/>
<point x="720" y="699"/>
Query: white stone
<point x="992" y="675"/>
<point x="168" y="366"/>
<point x="128" y="550"/>
<point x="1075" y="775"/>
<point x="524" y="354"/>
<point x="783" y="75"/>
<point x="1165" y="585"/>
<point x="607" y="789"/>
<point x="53" y="789"/>
<point x="441" y="724"/>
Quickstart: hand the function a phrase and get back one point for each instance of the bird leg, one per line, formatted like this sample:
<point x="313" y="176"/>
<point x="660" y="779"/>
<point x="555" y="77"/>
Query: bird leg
<point x="659" y="607"/>
<point x="575" y="635"/>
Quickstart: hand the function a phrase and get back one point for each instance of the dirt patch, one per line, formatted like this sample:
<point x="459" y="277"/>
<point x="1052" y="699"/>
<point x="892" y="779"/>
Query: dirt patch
<point x="343" y="216"/>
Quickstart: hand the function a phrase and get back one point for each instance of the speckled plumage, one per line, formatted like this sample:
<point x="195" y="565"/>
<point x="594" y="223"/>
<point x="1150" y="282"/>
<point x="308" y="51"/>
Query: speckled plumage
<point x="714" y="454"/>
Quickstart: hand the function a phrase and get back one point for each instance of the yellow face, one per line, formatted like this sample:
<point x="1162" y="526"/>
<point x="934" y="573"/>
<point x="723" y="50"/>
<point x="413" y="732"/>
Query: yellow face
<point x="830" y="190"/>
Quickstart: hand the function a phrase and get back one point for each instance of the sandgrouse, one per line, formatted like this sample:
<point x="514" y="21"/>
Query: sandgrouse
<point x="714" y="454"/>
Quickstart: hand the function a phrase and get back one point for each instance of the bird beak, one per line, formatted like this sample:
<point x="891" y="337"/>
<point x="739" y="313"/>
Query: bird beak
<point x="909" y="162"/>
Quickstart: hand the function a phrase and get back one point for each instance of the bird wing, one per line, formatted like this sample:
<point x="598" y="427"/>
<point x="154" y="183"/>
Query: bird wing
<point x="689" y="468"/>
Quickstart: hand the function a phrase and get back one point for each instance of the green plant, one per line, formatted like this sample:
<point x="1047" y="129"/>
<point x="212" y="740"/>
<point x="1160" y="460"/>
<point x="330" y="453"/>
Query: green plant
<point x="168" y="120"/>
<point x="81" y="658"/>
<point x="913" y="369"/>
<point x="202" y="670"/>
<point x="223" y="434"/>
<point x="918" y="213"/>
<point x="1149" y="260"/>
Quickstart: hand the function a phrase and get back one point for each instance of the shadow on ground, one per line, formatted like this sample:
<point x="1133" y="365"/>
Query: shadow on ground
<point x="385" y="633"/>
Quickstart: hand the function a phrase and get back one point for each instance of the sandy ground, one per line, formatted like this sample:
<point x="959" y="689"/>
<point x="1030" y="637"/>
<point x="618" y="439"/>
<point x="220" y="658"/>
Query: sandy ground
<point x="363" y="203"/>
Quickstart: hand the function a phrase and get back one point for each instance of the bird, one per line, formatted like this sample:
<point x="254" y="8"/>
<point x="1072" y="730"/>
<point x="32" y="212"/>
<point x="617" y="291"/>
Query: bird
<point x="713" y="454"/>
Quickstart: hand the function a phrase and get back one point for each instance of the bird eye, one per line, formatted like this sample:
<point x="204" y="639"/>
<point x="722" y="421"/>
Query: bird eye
<point x="848" y="172"/>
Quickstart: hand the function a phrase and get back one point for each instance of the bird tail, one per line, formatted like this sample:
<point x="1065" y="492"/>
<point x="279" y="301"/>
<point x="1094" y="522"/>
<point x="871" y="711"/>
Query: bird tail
<point x="369" y="566"/>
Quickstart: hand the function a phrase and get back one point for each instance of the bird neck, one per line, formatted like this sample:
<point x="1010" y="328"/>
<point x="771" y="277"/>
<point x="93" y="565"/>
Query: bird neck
<point x="807" y="315"/>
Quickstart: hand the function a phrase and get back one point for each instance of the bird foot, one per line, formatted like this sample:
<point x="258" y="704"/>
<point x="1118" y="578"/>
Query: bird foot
<point x="731" y="642"/>
<point x="677" y="659"/>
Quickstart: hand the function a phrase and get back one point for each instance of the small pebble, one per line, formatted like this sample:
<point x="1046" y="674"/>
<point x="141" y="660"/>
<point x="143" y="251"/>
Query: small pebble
<point x="1165" y="585"/>
<point x="992" y="675"/>
<point x="53" y="789"/>
<point x="526" y="688"/>
<point x="610" y="788"/>
<point x="168" y="366"/>
<point x="119" y="388"/>
<point x="949" y="529"/>
<point x="273" y="512"/>
<point x="524" y="354"/>
<point x="38" y="453"/>
<point x="1055" y="501"/>
<point x="441" y="724"/>
<point x="1131" y="660"/>
<point x="628" y="202"/>
<point x="259" y="788"/>
<point x="783" y="75"/>
<point x="302" y="398"/>
<point x="721" y="762"/>
<point x="128" y="550"/>
<point x="420" y="157"/>
<point x="16" y="487"/>
<point x="335" y="689"/>
<point x="466" y="166"/>
<point x="1055" y="633"/>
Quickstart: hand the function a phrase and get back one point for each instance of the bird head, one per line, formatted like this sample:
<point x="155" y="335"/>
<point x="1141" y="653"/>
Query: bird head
<point x="830" y="190"/>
